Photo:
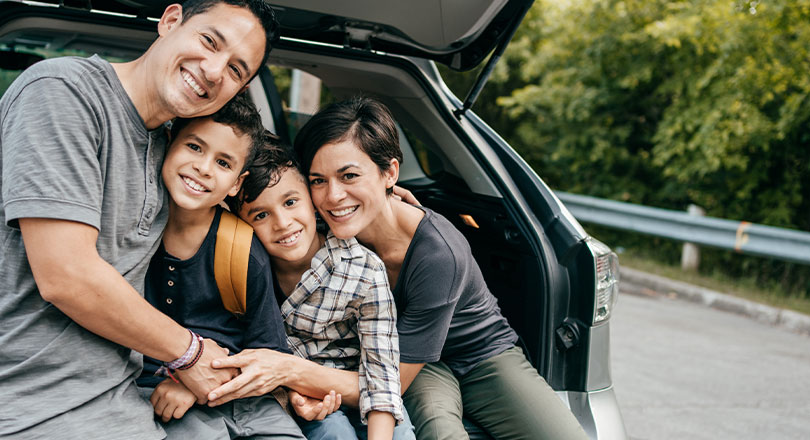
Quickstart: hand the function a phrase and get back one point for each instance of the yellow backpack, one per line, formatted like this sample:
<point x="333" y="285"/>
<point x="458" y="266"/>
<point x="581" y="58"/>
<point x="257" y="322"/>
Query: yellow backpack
<point x="231" y="258"/>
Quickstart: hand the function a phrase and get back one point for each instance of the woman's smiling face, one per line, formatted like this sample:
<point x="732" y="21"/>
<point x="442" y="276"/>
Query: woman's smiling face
<point x="348" y="188"/>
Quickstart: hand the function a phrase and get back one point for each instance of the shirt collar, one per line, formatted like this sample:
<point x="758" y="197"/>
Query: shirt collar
<point x="344" y="249"/>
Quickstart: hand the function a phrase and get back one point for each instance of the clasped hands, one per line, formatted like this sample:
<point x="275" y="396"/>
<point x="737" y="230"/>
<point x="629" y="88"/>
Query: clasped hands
<point x="218" y="378"/>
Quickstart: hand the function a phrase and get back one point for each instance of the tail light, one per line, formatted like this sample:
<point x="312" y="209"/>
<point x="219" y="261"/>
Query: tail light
<point x="607" y="280"/>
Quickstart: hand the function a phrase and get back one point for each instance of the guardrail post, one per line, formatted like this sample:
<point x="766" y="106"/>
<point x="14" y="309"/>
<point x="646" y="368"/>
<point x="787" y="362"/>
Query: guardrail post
<point x="690" y="256"/>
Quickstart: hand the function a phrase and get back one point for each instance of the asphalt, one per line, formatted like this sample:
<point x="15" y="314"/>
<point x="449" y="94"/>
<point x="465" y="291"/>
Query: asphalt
<point x="636" y="282"/>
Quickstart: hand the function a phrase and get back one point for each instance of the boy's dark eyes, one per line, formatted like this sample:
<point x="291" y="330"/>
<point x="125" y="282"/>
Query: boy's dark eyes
<point x="193" y="146"/>
<point x="290" y="202"/>
<point x="223" y="163"/>
<point x="260" y="216"/>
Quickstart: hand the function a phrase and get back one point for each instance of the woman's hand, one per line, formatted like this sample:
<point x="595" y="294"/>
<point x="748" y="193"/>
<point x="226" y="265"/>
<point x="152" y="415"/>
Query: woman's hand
<point x="310" y="408"/>
<point x="263" y="370"/>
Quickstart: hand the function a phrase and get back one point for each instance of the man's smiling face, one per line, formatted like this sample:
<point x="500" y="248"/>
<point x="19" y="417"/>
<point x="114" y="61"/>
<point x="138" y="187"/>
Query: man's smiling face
<point x="206" y="60"/>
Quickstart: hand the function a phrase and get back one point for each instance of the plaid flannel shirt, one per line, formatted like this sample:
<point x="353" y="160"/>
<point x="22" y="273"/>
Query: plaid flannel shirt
<point x="342" y="315"/>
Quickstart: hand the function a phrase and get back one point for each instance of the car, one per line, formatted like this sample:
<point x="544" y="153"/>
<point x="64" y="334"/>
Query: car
<point x="556" y="285"/>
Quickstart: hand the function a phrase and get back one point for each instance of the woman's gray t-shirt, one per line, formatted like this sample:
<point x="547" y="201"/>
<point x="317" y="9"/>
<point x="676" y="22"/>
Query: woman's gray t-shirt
<point x="446" y="312"/>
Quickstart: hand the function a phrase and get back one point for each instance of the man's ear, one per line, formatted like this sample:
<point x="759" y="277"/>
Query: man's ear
<point x="238" y="184"/>
<point x="391" y="175"/>
<point x="172" y="17"/>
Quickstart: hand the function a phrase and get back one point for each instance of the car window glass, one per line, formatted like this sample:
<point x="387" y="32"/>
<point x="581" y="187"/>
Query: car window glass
<point x="429" y="162"/>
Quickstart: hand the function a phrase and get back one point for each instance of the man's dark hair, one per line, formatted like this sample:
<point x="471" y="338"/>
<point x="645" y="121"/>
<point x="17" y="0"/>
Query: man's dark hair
<point x="363" y="120"/>
<point x="260" y="9"/>
<point x="241" y="115"/>
<point x="271" y="161"/>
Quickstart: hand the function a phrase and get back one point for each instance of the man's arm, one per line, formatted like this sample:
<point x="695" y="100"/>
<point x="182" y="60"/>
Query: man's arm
<point x="72" y="276"/>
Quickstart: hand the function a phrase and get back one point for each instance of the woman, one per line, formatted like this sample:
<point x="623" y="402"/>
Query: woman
<point x="457" y="352"/>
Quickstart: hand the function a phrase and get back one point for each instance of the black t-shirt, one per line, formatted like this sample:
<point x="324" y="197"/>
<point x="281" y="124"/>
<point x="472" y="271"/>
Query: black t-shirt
<point x="186" y="291"/>
<point x="445" y="310"/>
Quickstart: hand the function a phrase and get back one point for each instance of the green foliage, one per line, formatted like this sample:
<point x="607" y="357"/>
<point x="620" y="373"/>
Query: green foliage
<point x="665" y="103"/>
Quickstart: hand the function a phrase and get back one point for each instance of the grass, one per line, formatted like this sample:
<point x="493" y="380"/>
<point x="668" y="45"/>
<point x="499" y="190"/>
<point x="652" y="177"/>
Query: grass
<point x="740" y="287"/>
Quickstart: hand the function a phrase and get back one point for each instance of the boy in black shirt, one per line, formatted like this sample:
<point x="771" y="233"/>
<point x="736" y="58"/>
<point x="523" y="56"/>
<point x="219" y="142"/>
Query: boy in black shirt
<point x="207" y="161"/>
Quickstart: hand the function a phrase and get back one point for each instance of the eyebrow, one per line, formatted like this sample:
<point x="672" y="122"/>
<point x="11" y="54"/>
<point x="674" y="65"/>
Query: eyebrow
<point x="339" y="170"/>
<point x="289" y="193"/>
<point x="200" y="140"/>
<point x="347" y="166"/>
<point x="224" y="40"/>
<point x="254" y="210"/>
<point x="258" y="208"/>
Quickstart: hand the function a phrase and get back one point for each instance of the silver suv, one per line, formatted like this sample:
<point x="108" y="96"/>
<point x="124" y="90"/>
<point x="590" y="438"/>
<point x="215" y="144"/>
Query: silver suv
<point x="556" y="285"/>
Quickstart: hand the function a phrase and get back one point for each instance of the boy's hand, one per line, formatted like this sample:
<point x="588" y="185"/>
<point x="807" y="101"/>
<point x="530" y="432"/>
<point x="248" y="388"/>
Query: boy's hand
<point x="171" y="400"/>
<point x="201" y="379"/>
<point x="309" y="408"/>
<point x="405" y="195"/>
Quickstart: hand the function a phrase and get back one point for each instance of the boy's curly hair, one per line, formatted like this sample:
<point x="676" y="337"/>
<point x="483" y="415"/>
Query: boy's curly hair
<point x="271" y="160"/>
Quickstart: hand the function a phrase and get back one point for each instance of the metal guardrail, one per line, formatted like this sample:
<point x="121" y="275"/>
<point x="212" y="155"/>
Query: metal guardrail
<point x="742" y="237"/>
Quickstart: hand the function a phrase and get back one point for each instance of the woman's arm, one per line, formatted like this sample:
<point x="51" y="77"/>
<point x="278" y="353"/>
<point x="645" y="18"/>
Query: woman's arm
<point x="264" y="370"/>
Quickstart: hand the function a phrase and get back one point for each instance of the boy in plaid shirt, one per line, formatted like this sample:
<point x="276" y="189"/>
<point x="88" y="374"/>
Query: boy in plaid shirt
<point x="335" y="298"/>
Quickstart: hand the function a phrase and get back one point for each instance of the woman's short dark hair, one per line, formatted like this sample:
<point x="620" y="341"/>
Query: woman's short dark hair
<point x="272" y="159"/>
<point x="365" y="121"/>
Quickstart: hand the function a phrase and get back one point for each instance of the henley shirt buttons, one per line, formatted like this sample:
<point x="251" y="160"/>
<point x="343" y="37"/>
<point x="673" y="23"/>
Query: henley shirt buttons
<point x="171" y="268"/>
<point x="168" y="300"/>
<point x="170" y="283"/>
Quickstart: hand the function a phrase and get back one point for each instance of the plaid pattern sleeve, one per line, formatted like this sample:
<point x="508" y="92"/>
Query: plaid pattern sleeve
<point x="342" y="315"/>
<point x="379" y="342"/>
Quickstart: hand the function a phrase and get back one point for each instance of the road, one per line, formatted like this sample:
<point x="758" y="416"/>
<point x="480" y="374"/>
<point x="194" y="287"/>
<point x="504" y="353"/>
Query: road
<point x="685" y="371"/>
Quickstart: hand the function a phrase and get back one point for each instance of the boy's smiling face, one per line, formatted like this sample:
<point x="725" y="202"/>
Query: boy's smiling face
<point x="204" y="164"/>
<point x="284" y="219"/>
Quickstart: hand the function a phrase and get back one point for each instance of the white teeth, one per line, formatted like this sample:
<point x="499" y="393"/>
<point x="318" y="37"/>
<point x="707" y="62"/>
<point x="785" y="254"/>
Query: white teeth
<point x="194" y="185"/>
<point x="342" y="212"/>
<point x="193" y="84"/>
<point x="290" y="239"/>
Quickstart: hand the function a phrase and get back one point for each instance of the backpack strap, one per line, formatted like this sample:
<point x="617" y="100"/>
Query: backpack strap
<point x="231" y="258"/>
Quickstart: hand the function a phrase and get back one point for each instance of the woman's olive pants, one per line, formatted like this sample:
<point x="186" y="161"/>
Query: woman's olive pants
<point x="504" y="395"/>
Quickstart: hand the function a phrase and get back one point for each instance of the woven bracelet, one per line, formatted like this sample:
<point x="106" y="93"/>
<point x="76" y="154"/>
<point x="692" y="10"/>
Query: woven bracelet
<point x="188" y="355"/>
<point x="197" y="356"/>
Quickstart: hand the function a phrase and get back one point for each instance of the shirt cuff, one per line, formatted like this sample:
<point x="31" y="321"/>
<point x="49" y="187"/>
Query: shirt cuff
<point x="383" y="401"/>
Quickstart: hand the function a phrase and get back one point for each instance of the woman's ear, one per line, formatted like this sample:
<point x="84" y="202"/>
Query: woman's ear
<point x="391" y="175"/>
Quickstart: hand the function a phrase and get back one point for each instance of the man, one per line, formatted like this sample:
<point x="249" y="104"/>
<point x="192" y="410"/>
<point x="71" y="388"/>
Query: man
<point x="82" y="212"/>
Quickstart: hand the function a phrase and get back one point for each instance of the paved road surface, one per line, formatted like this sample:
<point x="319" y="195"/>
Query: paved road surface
<point x="684" y="371"/>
